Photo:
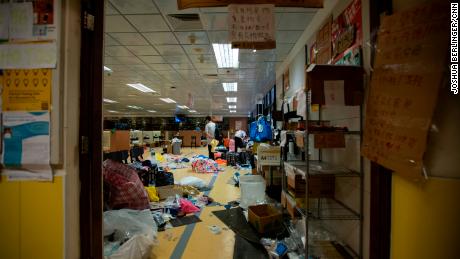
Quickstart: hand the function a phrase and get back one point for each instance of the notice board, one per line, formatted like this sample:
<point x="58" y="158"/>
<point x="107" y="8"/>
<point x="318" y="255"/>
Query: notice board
<point x="408" y="71"/>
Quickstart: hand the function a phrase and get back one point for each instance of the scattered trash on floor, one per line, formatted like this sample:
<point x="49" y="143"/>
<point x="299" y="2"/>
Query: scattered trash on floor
<point x="216" y="230"/>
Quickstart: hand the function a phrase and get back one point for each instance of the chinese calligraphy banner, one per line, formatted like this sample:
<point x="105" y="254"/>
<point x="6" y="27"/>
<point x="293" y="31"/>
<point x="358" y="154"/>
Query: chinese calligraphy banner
<point x="184" y="4"/>
<point x="408" y="71"/>
<point x="251" y="26"/>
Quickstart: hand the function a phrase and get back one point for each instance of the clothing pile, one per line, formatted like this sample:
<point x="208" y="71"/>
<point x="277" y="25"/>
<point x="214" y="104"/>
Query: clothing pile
<point x="204" y="165"/>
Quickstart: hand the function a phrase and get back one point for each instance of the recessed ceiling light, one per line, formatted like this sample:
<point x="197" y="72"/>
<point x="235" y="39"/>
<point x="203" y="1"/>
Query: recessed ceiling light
<point x="230" y="87"/>
<point x="232" y="111"/>
<point x="112" y="111"/>
<point x="152" y="111"/>
<point x="134" y="107"/>
<point x="231" y="99"/>
<point x="182" y="107"/>
<point x="109" y="101"/>
<point x="141" y="88"/>
<point x="192" y="111"/>
<point x="106" y="69"/>
<point x="167" y="100"/>
<point x="226" y="57"/>
<point x="232" y="106"/>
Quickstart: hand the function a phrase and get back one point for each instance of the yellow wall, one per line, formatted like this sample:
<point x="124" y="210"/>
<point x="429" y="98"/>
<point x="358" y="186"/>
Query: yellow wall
<point x="425" y="219"/>
<point x="31" y="220"/>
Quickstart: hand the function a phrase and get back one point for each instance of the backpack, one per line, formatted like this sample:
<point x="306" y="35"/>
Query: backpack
<point x="217" y="133"/>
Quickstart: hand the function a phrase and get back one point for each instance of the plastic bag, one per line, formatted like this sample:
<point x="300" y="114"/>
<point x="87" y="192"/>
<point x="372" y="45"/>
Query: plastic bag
<point x="137" y="247"/>
<point x="187" y="206"/>
<point x="152" y="192"/>
<point x="260" y="130"/>
<point x="192" y="181"/>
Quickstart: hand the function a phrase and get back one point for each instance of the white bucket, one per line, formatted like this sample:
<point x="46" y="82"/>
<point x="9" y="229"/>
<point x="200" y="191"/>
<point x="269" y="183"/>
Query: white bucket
<point x="252" y="189"/>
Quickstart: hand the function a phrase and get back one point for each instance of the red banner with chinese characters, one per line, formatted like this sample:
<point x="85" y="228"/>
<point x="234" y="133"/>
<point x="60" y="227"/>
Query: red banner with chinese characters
<point x="408" y="70"/>
<point x="347" y="31"/>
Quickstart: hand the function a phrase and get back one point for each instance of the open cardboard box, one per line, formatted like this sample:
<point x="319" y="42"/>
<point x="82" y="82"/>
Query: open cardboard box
<point x="265" y="218"/>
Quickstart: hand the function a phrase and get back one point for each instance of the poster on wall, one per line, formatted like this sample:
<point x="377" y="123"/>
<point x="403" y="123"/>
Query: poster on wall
<point x="286" y="83"/>
<point x="408" y="70"/>
<point x="323" y="43"/>
<point x="251" y="26"/>
<point x="313" y="52"/>
<point x="347" y="30"/>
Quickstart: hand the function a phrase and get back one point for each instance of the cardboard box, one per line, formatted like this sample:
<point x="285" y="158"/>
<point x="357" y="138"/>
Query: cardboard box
<point x="329" y="140"/>
<point x="321" y="186"/>
<point x="265" y="218"/>
<point x="276" y="173"/>
<point x="353" y="77"/>
<point x="283" y="199"/>
<point x="269" y="155"/>
<point x="119" y="140"/>
<point x="299" y="138"/>
<point x="296" y="181"/>
<point x="291" y="206"/>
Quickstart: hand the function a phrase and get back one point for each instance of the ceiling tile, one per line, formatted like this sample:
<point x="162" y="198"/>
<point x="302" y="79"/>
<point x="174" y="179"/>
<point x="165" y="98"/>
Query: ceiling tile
<point x="218" y="36"/>
<point x="170" y="6"/>
<point x="293" y="21"/>
<point x="203" y="59"/>
<point x="160" y="38"/>
<point x="129" y="60"/>
<point x="199" y="37"/>
<point x="133" y="39"/>
<point x="207" y="71"/>
<point x="177" y="59"/>
<point x="247" y="65"/>
<point x="198" y="49"/>
<point x="135" y="7"/>
<point x="117" y="51"/>
<point x="287" y="36"/>
<point x="152" y="59"/>
<point x="140" y="67"/>
<point x="183" y="66"/>
<point x="117" y="23"/>
<point x="148" y="23"/>
<point x="109" y="10"/>
<point x="143" y="50"/>
<point x="215" y="21"/>
<point x="111" y="60"/>
<point x="109" y="41"/>
<point x="160" y="67"/>
<point x="170" y="50"/>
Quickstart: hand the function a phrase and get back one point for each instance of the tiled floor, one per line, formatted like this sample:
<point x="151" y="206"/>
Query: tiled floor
<point x="196" y="240"/>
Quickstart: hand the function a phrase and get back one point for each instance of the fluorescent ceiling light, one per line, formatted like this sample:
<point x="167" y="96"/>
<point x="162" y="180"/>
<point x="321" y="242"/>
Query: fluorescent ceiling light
<point x="112" y="111"/>
<point x="167" y="100"/>
<point x="230" y="87"/>
<point x="232" y="106"/>
<point x="134" y="107"/>
<point x="106" y="69"/>
<point x="226" y="57"/>
<point x="182" y="107"/>
<point x="141" y="88"/>
<point x="109" y="101"/>
<point x="152" y="111"/>
<point x="232" y="111"/>
<point x="231" y="99"/>
<point x="192" y="111"/>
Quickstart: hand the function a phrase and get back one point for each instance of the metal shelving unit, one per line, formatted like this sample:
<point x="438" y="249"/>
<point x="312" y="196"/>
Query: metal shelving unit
<point x="327" y="208"/>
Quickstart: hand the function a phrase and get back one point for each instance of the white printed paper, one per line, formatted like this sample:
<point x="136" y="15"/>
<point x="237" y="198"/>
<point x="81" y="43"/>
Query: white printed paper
<point x="26" y="146"/>
<point x="251" y="23"/>
<point x="28" y="56"/>
<point x="21" y="20"/>
<point x="302" y="104"/>
<point x="334" y="93"/>
<point x="4" y="21"/>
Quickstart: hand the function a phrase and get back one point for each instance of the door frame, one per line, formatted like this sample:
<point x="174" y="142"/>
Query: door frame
<point x="90" y="129"/>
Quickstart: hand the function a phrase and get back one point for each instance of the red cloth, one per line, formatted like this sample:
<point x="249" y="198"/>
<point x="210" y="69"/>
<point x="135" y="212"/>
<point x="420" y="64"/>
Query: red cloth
<point x="126" y="189"/>
<point x="226" y="142"/>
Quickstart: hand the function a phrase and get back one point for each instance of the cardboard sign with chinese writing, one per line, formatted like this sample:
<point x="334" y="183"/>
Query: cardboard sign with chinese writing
<point x="408" y="70"/>
<point x="251" y="26"/>
<point x="27" y="90"/>
<point x="323" y="43"/>
<point x="184" y="4"/>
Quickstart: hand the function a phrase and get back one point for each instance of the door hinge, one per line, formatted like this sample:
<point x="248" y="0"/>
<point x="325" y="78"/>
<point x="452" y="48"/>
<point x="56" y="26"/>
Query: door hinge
<point x="84" y="144"/>
<point x="88" y="21"/>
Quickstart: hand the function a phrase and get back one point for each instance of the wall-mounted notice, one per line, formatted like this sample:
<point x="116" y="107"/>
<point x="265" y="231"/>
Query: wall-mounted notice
<point x="26" y="145"/>
<point x="27" y="90"/>
<point x="28" y="56"/>
<point x="408" y="70"/>
<point x="21" y="20"/>
<point x="251" y="26"/>
<point x="238" y="125"/>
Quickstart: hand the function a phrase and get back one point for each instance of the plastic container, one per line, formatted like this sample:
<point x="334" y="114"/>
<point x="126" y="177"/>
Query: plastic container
<point x="252" y="190"/>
